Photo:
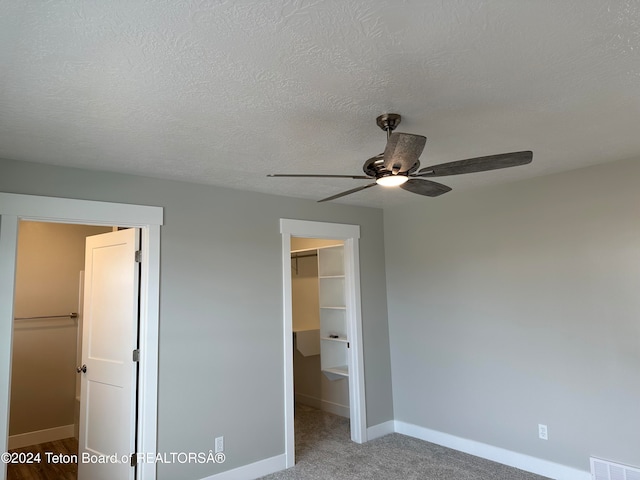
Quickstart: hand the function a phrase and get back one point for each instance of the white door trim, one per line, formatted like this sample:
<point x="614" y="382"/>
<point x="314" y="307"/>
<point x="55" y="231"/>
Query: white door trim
<point x="14" y="207"/>
<point x="357" y="405"/>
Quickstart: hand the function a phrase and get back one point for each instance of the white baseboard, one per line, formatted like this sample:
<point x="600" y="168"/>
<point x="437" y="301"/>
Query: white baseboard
<point x="308" y="400"/>
<point x="335" y="408"/>
<point x="496" y="454"/>
<point x="482" y="450"/>
<point x="41" y="436"/>
<point x="253" y="470"/>
<point x="324" y="405"/>
<point x="380" y="430"/>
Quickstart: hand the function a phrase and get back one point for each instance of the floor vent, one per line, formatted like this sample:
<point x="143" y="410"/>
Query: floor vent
<point x="604" y="470"/>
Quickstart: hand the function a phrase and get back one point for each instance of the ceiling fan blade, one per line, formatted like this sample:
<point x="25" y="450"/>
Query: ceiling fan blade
<point x="402" y="151"/>
<point x="348" y="192"/>
<point x="479" y="164"/>
<point x="425" y="187"/>
<point x="302" y="175"/>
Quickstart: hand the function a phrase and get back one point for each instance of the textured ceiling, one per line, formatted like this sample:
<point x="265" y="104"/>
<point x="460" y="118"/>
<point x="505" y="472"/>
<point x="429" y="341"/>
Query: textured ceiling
<point x="225" y="92"/>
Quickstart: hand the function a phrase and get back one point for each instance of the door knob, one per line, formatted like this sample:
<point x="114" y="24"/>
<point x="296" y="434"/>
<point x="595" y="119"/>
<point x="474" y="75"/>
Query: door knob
<point x="82" y="369"/>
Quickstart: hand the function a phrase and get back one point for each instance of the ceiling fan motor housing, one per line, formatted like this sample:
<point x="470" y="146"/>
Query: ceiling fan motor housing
<point x="374" y="167"/>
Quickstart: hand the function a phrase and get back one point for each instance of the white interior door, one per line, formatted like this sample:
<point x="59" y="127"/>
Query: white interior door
<point x="110" y="331"/>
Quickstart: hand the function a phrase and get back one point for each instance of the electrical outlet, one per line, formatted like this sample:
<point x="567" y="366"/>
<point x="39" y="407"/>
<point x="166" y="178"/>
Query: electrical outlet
<point x="543" y="433"/>
<point x="219" y="444"/>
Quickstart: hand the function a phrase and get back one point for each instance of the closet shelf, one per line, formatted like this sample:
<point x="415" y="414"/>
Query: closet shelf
<point x="339" y="339"/>
<point x="341" y="370"/>
<point x="334" y="352"/>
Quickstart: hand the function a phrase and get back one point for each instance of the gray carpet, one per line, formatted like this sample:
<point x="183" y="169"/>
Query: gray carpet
<point x="324" y="451"/>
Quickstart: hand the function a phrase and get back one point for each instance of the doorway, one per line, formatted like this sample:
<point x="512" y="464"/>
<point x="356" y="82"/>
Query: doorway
<point x="349" y="234"/>
<point x="14" y="207"/>
<point x="45" y="389"/>
<point x="321" y="344"/>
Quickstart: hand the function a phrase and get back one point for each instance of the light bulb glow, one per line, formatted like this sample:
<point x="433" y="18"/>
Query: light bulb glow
<point x="392" y="180"/>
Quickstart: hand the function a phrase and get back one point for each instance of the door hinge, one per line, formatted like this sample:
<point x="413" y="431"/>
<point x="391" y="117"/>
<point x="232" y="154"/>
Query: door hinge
<point x="136" y="355"/>
<point x="138" y="256"/>
<point x="134" y="459"/>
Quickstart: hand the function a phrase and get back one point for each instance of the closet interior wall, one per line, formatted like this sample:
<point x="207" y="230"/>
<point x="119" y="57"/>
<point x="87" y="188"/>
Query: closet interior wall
<point x="43" y="401"/>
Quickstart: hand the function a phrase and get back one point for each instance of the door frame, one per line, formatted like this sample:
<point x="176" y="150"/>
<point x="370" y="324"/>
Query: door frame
<point x="16" y="207"/>
<point x="357" y="404"/>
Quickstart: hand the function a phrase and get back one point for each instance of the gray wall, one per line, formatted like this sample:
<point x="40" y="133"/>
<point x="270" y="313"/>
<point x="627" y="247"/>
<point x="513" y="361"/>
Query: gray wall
<point x="520" y="305"/>
<point x="221" y="304"/>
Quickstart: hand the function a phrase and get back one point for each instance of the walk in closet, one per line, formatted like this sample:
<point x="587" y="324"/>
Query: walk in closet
<point x="321" y="340"/>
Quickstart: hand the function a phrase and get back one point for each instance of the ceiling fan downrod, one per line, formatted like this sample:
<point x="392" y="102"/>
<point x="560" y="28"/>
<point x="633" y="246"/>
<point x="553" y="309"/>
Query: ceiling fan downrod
<point x="388" y="122"/>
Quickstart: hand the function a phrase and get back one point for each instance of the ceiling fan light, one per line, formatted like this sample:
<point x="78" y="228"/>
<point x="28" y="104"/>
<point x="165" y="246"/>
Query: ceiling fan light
<point x="392" y="180"/>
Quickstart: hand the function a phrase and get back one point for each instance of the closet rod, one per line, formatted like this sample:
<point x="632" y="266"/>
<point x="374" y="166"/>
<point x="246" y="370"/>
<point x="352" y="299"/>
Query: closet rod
<point x="296" y="255"/>
<point x="69" y="315"/>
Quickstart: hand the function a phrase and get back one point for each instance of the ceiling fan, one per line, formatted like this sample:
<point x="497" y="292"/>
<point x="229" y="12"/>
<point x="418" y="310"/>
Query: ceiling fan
<point x="398" y="165"/>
